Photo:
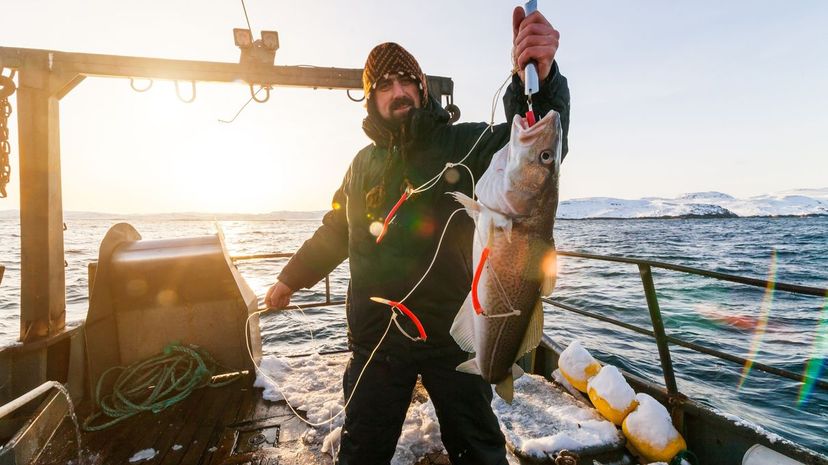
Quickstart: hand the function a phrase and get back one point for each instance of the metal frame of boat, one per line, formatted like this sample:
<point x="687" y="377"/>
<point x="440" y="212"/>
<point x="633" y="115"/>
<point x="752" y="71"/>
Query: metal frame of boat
<point x="51" y="351"/>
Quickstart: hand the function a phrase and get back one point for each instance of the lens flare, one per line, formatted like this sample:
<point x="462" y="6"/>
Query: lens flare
<point x="761" y="326"/>
<point x="714" y="314"/>
<point x="816" y="361"/>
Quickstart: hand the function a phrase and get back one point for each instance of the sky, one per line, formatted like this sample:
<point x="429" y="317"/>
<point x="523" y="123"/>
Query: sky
<point x="667" y="97"/>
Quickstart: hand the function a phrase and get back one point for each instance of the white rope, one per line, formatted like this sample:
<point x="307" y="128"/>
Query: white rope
<point x="276" y="384"/>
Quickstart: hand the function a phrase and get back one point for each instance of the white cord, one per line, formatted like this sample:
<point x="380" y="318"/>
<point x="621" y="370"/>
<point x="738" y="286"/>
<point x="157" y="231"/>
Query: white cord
<point x="433" y="181"/>
<point x="434" y="259"/>
<point x="307" y="323"/>
<point x="276" y="385"/>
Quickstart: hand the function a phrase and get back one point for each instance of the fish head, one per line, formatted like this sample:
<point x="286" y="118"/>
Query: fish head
<point x="533" y="164"/>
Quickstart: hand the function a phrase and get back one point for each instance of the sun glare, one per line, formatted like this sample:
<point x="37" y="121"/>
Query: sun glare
<point x="164" y="155"/>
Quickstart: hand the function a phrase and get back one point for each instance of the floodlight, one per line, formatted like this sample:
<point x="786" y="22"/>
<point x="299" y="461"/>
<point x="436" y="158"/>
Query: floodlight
<point x="243" y="38"/>
<point x="270" y="39"/>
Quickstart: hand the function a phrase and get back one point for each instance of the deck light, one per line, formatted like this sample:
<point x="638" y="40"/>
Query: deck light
<point x="270" y="40"/>
<point x="243" y="38"/>
<point x="256" y="52"/>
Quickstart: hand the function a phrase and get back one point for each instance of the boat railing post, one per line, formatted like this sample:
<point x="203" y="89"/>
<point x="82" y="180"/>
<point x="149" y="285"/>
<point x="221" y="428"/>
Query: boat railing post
<point x="327" y="288"/>
<point x="658" y="328"/>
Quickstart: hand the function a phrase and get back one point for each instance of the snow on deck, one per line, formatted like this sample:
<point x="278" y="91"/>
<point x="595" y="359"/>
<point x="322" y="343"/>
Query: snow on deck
<point x="542" y="419"/>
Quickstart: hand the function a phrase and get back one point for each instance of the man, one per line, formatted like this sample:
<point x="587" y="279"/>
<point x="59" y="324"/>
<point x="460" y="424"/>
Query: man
<point x="412" y="142"/>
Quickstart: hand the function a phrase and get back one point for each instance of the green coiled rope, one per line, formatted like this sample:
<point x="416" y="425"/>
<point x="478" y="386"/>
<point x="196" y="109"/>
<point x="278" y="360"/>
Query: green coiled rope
<point x="155" y="384"/>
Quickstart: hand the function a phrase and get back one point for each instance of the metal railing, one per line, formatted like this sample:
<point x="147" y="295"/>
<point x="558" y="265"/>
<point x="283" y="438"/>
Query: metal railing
<point x="663" y="340"/>
<point x="658" y="332"/>
<point x="281" y="255"/>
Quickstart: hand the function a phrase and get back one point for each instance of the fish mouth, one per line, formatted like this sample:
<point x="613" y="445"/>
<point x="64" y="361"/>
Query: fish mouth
<point x="529" y="133"/>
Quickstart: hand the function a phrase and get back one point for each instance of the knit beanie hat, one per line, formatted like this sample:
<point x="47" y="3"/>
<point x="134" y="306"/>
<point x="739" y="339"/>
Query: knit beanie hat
<point x="388" y="58"/>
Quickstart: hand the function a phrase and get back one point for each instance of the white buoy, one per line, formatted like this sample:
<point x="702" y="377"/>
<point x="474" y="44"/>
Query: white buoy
<point x="761" y="455"/>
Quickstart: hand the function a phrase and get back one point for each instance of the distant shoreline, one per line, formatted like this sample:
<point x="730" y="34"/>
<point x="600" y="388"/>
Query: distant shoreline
<point x="172" y="218"/>
<point x="694" y="217"/>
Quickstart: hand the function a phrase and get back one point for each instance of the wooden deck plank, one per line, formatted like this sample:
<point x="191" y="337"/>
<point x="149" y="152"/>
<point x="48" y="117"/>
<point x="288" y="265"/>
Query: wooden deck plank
<point x="248" y="403"/>
<point x="225" y="439"/>
<point x="226" y="416"/>
<point x="189" y="436"/>
<point x="173" y="422"/>
<point x="230" y="411"/>
<point x="142" y="431"/>
<point x="212" y="415"/>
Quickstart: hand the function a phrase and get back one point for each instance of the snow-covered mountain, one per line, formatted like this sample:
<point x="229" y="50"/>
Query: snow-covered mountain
<point x="799" y="202"/>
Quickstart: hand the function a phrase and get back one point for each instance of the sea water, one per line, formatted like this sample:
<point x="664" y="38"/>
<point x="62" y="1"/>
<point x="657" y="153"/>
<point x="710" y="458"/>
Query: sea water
<point x="719" y="315"/>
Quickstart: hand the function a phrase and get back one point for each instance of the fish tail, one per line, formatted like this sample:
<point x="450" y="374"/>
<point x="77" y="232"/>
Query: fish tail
<point x="506" y="389"/>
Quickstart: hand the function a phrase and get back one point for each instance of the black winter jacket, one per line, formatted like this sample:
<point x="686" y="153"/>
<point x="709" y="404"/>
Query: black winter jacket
<point x="393" y="267"/>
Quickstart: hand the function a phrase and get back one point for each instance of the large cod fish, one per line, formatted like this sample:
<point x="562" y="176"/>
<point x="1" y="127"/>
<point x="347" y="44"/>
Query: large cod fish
<point x="514" y="253"/>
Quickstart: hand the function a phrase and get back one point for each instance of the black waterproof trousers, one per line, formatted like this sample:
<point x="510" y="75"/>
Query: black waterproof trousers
<point x="375" y="416"/>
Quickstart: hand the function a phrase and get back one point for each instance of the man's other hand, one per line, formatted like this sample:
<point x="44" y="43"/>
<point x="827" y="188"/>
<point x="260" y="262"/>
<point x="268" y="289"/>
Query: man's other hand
<point x="534" y="40"/>
<point x="278" y="296"/>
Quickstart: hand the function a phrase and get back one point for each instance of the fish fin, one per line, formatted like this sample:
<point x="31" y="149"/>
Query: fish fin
<point x="472" y="206"/>
<point x="506" y="389"/>
<point x="462" y="330"/>
<point x="534" y="332"/>
<point x="503" y="222"/>
<point x="517" y="371"/>
<point x="550" y="273"/>
<point x="469" y="366"/>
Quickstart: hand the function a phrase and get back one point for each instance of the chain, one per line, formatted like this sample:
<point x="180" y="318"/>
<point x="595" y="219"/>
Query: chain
<point x="7" y="88"/>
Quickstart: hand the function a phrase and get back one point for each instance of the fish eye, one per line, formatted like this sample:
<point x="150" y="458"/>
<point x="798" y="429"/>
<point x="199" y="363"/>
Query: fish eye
<point x="546" y="157"/>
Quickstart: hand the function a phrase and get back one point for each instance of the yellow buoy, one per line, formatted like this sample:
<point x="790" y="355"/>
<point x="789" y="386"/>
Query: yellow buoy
<point x="578" y="366"/>
<point x="650" y="432"/>
<point x="611" y="395"/>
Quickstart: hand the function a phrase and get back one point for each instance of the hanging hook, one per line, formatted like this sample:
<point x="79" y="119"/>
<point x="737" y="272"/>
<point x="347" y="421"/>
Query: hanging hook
<point x="452" y="109"/>
<point x="178" y="92"/>
<point x="132" y="84"/>
<point x="267" y="93"/>
<point x="348" y="91"/>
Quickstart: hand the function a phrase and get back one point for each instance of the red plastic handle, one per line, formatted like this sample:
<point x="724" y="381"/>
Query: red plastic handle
<point x="412" y="316"/>
<point x="390" y="216"/>
<point x="407" y="313"/>
<point x="476" y="281"/>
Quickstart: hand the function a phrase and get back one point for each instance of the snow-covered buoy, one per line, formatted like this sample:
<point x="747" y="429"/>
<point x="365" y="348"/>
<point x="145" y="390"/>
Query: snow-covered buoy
<point x="611" y="395"/>
<point x="578" y="366"/>
<point x="650" y="432"/>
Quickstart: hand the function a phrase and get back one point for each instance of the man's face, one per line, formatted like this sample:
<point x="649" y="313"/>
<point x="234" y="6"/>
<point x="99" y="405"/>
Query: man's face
<point x="395" y="96"/>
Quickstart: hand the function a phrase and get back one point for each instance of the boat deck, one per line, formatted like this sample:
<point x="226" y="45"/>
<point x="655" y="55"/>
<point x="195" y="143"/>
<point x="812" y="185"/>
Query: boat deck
<point x="232" y="424"/>
<point x="235" y="424"/>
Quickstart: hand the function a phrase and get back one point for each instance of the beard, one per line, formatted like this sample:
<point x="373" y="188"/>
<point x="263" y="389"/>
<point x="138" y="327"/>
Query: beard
<point x="397" y="118"/>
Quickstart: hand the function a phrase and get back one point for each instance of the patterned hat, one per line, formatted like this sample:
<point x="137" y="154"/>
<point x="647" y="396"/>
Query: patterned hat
<point x="389" y="58"/>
